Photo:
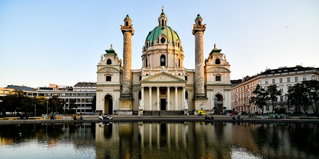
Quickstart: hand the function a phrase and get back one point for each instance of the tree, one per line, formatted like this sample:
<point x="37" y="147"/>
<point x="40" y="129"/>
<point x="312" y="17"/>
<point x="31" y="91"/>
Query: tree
<point x="260" y="98"/>
<point x="272" y="94"/>
<point x="19" y="102"/>
<point x="297" y="96"/>
<point x="56" y="104"/>
<point x="312" y="88"/>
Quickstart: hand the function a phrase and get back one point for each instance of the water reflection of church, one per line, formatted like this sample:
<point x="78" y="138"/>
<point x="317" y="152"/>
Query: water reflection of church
<point x="163" y="85"/>
<point x="157" y="140"/>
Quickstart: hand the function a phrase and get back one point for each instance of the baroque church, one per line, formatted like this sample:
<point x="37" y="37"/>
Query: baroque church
<point x="163" y="86"/>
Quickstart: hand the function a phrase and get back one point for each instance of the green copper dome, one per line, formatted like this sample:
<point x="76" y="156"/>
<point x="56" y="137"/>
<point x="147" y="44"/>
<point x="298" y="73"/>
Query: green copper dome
<point x="169" y="33"/>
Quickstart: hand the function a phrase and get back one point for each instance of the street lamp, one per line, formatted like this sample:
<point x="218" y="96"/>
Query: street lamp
<point x="47" y="108"/>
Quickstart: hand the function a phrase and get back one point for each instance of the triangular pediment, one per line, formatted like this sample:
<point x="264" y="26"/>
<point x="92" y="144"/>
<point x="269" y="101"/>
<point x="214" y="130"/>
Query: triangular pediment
<point x="163" y="78"/>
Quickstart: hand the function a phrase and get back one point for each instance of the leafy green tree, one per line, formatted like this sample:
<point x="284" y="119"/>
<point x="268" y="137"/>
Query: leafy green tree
<point x="260" y="97"/>
<point x="313" y="94"/>
<point x="273" y="94"/>
<point x="56" y="104"/>
<point x="297" y="96"/>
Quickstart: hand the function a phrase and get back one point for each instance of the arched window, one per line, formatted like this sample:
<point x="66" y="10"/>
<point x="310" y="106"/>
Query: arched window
<point x="126" y="23"/>
<point x="109" y="61"/>
<point x="162" y="22"/>
<point x="217" y="61"/>
<point x="199" y="22"/>
<point x="163" y="60"/>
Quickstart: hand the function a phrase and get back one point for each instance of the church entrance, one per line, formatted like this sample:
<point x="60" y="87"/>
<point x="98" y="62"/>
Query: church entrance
<point x="163" y="104"/>
<point x="218" y="104"/>
<point x="108" y="104"/>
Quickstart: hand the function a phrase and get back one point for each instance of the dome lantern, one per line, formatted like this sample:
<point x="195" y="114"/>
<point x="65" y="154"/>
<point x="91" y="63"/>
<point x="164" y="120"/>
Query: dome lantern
<point x="162" y="19"/>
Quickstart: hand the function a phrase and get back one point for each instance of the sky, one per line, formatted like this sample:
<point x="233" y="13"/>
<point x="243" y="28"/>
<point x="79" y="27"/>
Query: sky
<point x="61" y="41"/>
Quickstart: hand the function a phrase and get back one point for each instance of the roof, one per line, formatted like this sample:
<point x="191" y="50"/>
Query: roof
<point x="110" y="51"/>
<point x="169" y="33"/>
<point x="198" y="17"/>
<point x="287" y="69"/>
<point x="279" y="70"/>
<point x="127" y="17"/>
<point x="215" y="50"/>
<point x="85" y="84"/>
<point x="22" y="88"/>
<point x="236" y="82"/>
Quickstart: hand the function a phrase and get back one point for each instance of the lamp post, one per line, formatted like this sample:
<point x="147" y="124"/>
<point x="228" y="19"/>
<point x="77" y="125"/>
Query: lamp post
<point x="47" y="108"/>
<point x="1" y="101"/>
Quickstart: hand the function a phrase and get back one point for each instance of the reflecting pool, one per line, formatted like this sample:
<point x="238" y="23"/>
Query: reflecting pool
<point x="160" y="140"/>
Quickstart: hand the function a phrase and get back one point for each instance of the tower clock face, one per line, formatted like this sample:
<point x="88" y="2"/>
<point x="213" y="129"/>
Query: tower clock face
<point x="162" y="40"/>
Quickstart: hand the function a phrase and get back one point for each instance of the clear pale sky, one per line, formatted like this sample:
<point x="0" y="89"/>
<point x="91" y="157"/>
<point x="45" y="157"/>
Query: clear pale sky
<point x="61" y="41"/>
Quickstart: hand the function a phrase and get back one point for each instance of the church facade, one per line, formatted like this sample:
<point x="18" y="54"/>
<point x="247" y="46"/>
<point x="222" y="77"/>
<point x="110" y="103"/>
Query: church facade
<point x="163" y="86"/>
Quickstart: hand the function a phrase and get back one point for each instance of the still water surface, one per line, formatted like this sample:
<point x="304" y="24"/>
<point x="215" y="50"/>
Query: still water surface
<point x="160" y="140"/>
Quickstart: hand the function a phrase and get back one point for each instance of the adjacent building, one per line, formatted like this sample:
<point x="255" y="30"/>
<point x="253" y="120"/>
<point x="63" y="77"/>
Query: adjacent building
<point x="283" y="77"/>
<point x="163" y="85"/>
<point x="81" y="97"/>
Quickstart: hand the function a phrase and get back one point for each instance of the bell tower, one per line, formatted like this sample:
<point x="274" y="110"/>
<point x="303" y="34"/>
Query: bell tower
<point x="126" y="97"/>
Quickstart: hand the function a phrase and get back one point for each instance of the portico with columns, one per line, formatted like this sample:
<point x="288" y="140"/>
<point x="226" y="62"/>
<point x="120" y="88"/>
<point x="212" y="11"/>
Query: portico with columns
<point x="162" y="93"/>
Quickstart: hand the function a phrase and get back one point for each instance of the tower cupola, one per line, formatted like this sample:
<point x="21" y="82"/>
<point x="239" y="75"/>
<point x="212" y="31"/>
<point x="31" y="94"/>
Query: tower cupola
<point x="162" y="19"/>
<point x="127" y="21"/>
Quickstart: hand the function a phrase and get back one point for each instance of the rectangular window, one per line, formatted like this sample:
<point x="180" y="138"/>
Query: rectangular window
<point x="185" y="78"/>
<point x="108" y="78"/>
<point x="288" y="79"/>
<point x="304" y="78"/>
<point x="280" y="80"/>
<point x="273" y="81"/>
<point x="218" y="78"/>
<point x="296" y="79"/>
<point x="266" y="82"/>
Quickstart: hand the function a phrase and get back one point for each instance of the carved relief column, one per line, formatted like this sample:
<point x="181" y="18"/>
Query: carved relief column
<point x="126" y="98"/>
<point x="200" y="96"/>
<point x="158" y="99"/>
<point x="198" y="32"/>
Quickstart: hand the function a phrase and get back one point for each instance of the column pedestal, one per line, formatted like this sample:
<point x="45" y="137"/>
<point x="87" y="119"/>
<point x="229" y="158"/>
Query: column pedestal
<point x="200" y="104"/>
<point x="126" y="105"/>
